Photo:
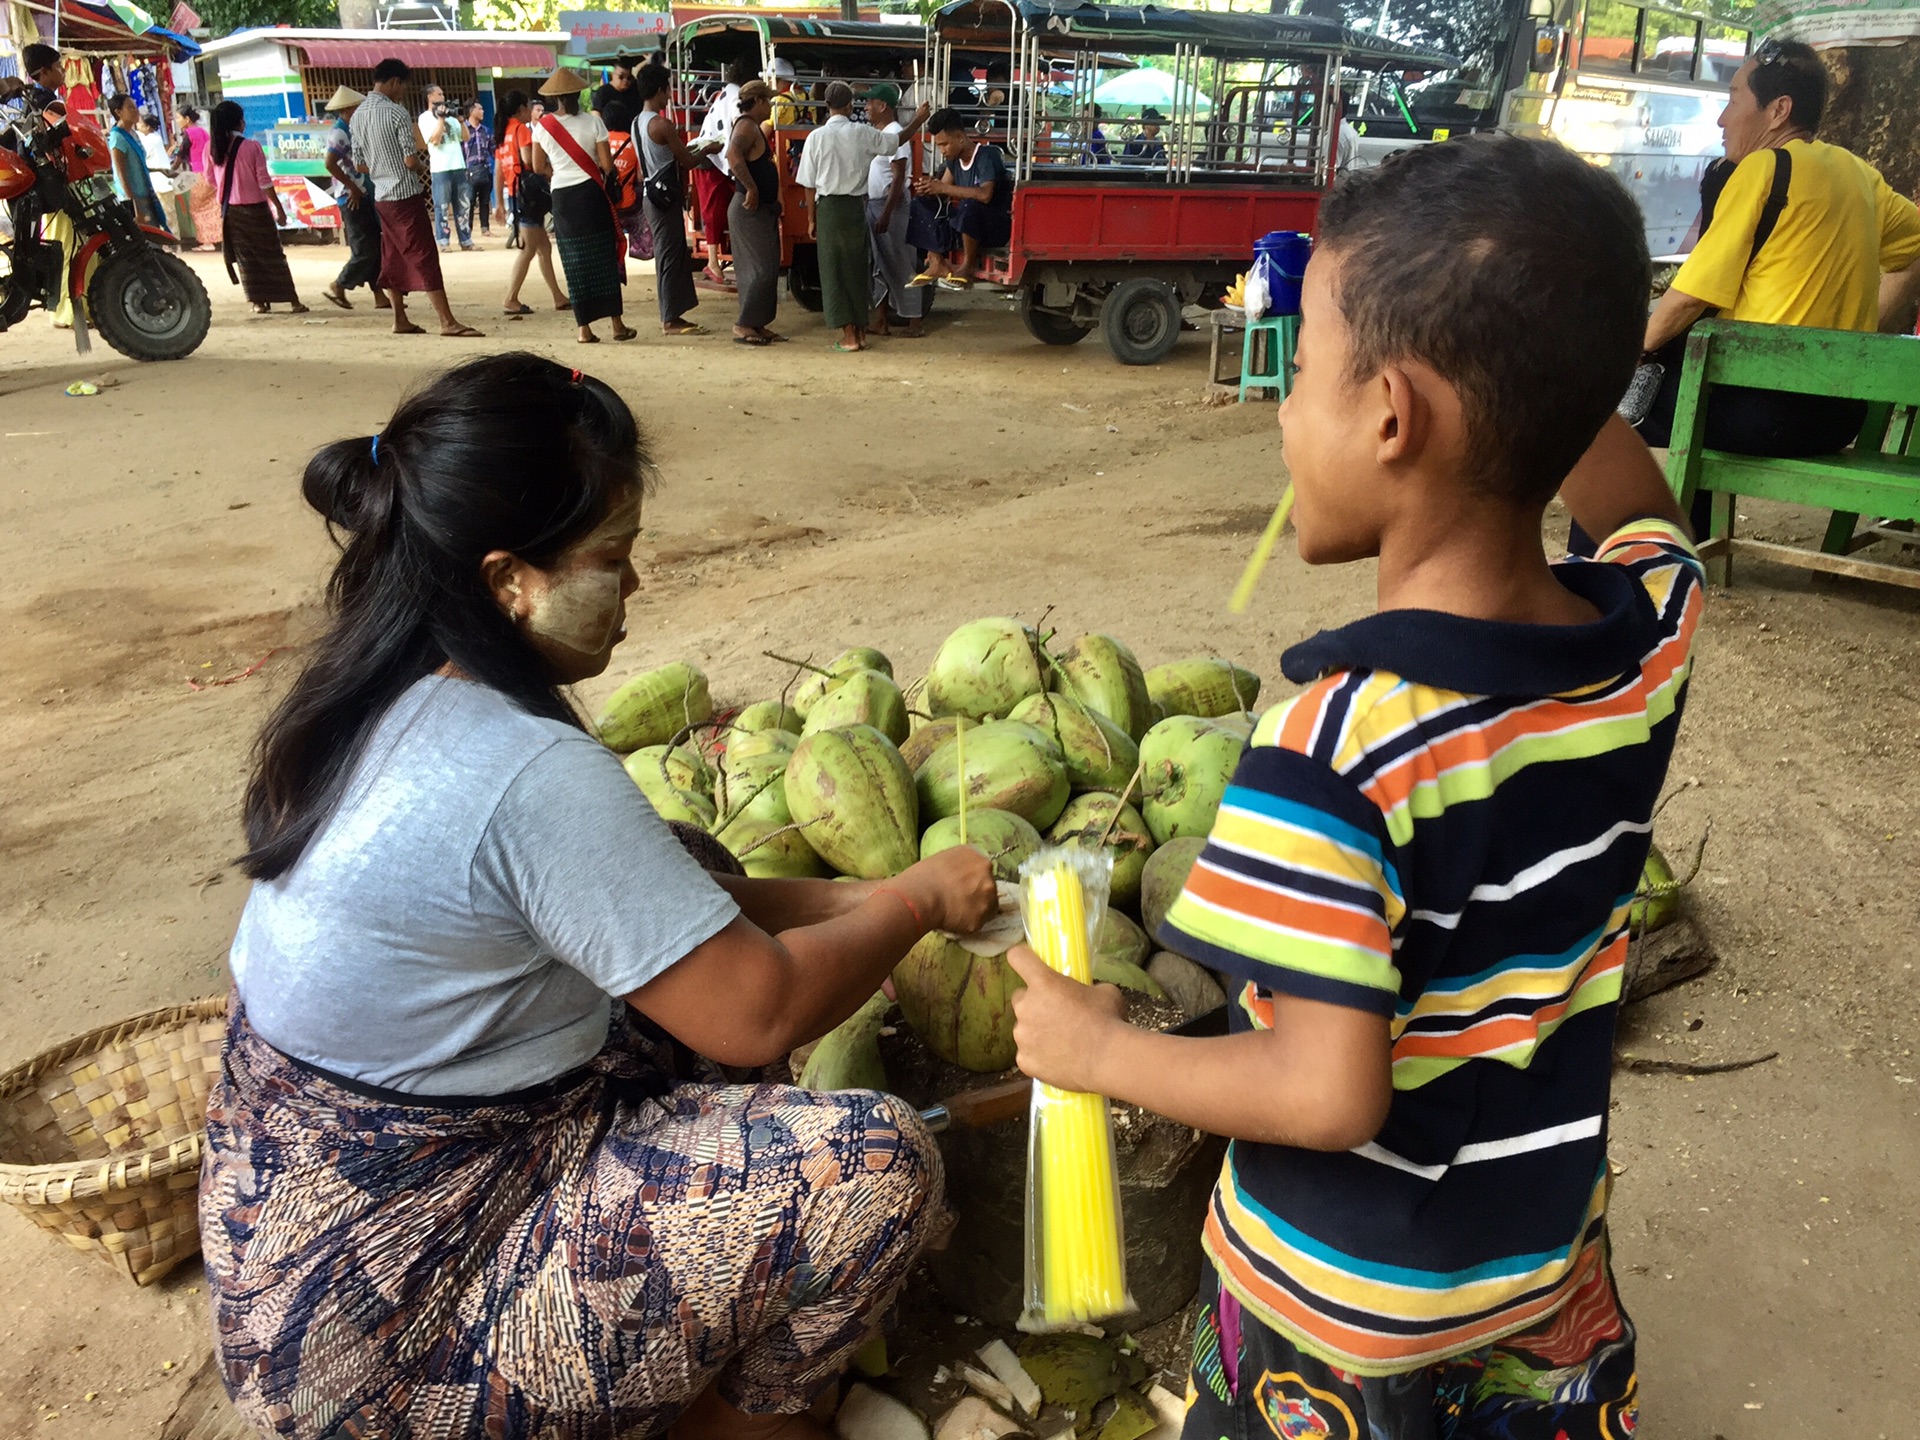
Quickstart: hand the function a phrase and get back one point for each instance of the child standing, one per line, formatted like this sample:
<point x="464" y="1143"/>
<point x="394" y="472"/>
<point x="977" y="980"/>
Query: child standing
<point x="1423" y="868"/>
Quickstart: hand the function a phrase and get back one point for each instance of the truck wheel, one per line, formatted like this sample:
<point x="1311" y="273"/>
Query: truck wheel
<point x="1142" y="320"/>
<point x="1050" y="327"/>
<point x="803" y="279"/>
<point x="150" y="306"/>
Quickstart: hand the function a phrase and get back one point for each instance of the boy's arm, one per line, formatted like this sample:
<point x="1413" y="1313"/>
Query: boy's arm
<point x="1320" y="1079"/>
<point x="1617" y="481"/>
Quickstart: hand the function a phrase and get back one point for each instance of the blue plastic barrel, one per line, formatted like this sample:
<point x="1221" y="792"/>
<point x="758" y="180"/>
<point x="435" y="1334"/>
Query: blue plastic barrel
<point x="1281" y="257"/>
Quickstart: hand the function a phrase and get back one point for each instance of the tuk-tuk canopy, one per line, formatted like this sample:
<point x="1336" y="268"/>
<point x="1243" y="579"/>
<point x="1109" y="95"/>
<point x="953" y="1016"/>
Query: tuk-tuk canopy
<point x="1158" y="29"/>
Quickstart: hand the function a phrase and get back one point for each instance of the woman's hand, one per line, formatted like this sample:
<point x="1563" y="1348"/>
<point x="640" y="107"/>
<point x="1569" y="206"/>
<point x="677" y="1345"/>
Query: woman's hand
<point x="1061" y="1027"/>
<point x="952" y="891"/>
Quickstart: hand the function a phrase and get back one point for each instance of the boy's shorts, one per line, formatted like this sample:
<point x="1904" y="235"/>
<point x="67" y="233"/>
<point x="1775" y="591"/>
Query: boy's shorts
<point x="1571" y="1379"/>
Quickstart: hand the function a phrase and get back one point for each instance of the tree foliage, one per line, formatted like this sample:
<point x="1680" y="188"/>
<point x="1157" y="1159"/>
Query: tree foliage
<point x="226" y="16"/>
<point x="1471" y="29"/>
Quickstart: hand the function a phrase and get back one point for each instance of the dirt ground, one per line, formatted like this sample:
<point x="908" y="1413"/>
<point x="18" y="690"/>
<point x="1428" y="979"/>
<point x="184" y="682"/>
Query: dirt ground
<point x="153" y="535"/>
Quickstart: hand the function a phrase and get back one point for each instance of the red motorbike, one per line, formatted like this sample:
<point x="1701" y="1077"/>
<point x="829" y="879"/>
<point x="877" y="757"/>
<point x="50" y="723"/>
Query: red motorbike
<point x="146" y="302"/>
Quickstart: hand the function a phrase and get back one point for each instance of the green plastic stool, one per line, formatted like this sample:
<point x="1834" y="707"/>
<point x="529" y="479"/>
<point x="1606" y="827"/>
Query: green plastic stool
<point x="1282" y="333"/>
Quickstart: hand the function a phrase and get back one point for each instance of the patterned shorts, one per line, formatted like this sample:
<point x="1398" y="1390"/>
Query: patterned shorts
<point x="1571" y="1379"/>
<point x="576" y="1266"/>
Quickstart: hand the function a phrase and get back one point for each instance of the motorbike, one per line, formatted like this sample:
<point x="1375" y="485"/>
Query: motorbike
<point x="146" y="302"/>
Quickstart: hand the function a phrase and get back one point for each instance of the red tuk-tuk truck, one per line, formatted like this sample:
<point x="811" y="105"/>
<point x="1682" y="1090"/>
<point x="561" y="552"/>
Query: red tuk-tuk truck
<point x="860" y="52"/>
<point x="1124" y="235"/>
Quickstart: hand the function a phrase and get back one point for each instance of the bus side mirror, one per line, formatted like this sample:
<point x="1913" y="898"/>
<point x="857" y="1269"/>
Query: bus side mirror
<point x="1547" y="43"/>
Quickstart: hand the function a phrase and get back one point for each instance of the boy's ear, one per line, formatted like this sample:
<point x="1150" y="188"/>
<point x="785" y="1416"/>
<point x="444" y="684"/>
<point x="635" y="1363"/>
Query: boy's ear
<point x="1404" y="418"/>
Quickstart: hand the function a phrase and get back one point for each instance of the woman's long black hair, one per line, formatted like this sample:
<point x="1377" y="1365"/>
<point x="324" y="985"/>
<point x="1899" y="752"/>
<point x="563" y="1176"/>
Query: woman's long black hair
<point x="511" y="452"/>
<point x="228" y="124"/>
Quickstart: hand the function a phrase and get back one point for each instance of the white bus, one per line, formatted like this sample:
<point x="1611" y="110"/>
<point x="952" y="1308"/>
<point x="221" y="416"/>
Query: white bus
<point x="1634" y="86"/>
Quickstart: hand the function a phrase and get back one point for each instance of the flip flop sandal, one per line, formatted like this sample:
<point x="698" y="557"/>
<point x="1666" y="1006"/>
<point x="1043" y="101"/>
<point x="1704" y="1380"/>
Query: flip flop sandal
<point x="589" y="339"/>
<point x="409" y="329"/>
<point x="685" y="330"/>
<point x="776" y="339"/>
<point x="922" y="280"/>
<point x="333" y="299"/>
<point x="848" y="349"/>
<point x="516" y="310"/>
<point x="955" y="282"/>
<point x="465" y="332"/>
<point x="626" y="335"/>
<point x="757" y="341"/>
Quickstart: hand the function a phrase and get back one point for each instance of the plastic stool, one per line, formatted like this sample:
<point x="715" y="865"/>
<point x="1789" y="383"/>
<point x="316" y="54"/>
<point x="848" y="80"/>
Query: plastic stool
<point x="1283" y="333"/>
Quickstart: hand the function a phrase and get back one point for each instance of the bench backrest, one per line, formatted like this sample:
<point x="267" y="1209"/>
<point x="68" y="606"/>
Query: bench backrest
<point x="1848" y="363"/>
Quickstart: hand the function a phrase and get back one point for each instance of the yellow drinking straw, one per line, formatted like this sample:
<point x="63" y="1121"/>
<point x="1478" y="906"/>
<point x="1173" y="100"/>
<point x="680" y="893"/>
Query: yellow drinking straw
<point x="1081" y="1265"/>
<point x="960" y="757"/>
<point x="1243" y="592"/>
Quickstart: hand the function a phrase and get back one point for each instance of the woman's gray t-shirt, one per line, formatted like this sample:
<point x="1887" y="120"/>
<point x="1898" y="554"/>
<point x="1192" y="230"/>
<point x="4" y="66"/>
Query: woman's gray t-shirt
<point x="457" y="927"/>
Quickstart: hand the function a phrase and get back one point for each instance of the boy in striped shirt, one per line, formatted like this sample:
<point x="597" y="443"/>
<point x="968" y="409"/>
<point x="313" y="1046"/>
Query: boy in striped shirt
<point x="1422" y="870"/>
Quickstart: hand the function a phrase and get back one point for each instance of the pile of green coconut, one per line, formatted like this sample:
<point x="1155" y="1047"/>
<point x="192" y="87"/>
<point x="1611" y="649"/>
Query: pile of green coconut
<point x="855" y="774"/>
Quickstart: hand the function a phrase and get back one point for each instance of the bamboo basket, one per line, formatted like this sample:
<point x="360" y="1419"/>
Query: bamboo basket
<point x="100" y="1138"/>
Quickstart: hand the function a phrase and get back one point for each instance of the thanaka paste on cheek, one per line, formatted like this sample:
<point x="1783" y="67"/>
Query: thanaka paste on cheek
<point x="579" y="607"/>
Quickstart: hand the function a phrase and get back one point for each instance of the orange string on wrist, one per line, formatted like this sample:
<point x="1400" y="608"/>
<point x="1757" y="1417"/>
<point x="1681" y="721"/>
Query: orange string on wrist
<point x="912" y="909"/>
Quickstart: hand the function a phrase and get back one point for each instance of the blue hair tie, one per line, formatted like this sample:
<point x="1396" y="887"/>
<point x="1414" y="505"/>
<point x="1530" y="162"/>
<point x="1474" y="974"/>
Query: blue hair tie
<point x="374" y="450"/>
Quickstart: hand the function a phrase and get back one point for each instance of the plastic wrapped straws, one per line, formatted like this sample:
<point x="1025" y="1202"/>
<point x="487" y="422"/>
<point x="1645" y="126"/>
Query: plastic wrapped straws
<point x="1076" y="1253"/>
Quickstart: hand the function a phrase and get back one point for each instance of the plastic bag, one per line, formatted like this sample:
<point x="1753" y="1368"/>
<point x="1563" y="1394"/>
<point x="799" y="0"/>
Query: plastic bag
<point x="1256" y="297"/>
<point x="1076" y="1249"/>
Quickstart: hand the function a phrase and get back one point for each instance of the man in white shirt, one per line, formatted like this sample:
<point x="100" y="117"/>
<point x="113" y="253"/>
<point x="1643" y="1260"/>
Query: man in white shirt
<point x="452" y="192"/>
<point x="712" y="181"/>
<point x="833" y="170"/>
<point x="889" y="202"/>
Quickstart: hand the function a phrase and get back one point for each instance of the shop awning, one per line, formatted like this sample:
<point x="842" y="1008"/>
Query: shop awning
<point x="432" y="54"/>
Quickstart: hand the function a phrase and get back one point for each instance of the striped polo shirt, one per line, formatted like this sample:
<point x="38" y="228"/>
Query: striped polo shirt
<point x="1446" y="828"/>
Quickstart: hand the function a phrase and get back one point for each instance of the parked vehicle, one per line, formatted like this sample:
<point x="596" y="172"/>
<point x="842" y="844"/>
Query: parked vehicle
<point x="1248" y="147"/>
<point x="1634" y="87"/>
<point x="147" y="303"/>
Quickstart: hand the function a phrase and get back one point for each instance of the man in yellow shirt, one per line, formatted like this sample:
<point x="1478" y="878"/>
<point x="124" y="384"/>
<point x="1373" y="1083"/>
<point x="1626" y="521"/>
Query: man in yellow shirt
<point x="1804" y="233"/>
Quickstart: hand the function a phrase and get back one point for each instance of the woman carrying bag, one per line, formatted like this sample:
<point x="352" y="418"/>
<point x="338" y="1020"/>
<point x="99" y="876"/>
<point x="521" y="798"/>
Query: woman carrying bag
<point x="250" y="214"/>
<point x="570" y="148"/>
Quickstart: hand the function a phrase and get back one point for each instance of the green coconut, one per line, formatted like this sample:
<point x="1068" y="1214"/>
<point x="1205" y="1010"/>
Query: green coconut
<point x="1000" y="835"/>
<point x="958" y="1003"/>
<point x="866" y="697"/>
<point x="1240" y="722"/>
<point x="1121" y="943"/>
<point x="752" y="784"/>
<point x="929" y="736"/>
<point x="1203" y="686"/>
<point x="829" y="676"/>
<point x="854" y="795"/>
<point x="669" y="780"/>
<point x="761" y="742"/>
<point x="984" y="669"/>
<point x="655" y="706"/>
<point x="1185" y="764"/>
<point x="770" y="848"/>
<point x="848" y="1056"/>
<point x="1099" y="754"/>
<point x="1086" y="819"/>
<point x="1010" y="766"/>
<point x="1102" y="674"/>
<point x="1164" y="877"/>
<point x="767" y="715"/>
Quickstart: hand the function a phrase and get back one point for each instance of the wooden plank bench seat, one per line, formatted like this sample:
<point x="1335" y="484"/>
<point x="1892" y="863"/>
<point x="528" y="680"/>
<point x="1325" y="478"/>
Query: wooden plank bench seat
<point x="1878" y="476"/>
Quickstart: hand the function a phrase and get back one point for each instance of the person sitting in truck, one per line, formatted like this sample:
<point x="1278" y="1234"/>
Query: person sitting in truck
<point x="1146" y="148"/>
<point x="967" y="205"/>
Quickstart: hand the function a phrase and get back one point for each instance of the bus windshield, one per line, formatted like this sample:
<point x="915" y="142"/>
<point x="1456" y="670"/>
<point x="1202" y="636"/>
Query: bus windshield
<point x="1481" y="32"/>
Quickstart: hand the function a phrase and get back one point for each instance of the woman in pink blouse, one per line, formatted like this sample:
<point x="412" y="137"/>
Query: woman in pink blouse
<point x="250" y="213"/>
<point x="190" y="155"/>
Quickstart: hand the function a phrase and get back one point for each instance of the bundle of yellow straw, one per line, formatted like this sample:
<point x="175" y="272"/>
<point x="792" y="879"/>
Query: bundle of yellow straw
<point x="1082" y="1269"/>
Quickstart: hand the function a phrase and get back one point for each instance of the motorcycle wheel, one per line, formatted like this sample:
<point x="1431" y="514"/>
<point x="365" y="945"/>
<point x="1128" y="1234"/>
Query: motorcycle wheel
<point x="149" y="307"/>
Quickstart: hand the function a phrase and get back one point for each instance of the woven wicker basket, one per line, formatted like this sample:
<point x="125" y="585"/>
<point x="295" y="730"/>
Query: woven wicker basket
<point x="100" y="1138"/>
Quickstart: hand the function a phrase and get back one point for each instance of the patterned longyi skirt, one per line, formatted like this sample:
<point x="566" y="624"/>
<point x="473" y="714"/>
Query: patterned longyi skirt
<point x="576" y="1265"/>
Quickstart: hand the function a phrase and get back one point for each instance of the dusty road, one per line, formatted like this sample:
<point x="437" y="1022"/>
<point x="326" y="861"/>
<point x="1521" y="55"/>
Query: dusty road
<point x="153" y="535"/>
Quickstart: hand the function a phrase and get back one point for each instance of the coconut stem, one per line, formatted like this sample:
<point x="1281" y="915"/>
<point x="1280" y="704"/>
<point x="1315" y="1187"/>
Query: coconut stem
<point x="775" y="835"/>
<point x="1114" y="819"/>
<point x="1262" y="552"/>
<point x="797" y="664"/>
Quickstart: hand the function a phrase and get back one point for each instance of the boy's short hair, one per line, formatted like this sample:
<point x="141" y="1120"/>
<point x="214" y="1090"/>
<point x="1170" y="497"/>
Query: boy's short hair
<point x="839" y="95"/>
<point x="1513" y="268"/>
<point x="1791" y="68"/>
<point x="392" y="68"/>
<point x="946" y="121"/>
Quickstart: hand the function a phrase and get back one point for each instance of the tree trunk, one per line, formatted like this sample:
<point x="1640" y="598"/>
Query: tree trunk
<point x="1870" y="108"/>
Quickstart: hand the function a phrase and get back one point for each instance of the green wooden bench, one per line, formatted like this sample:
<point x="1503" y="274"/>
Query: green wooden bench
<point x="1878" y="477"/>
